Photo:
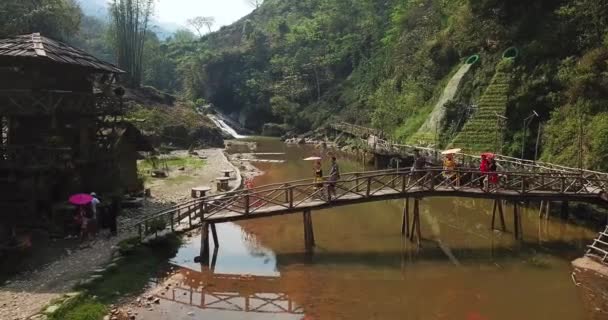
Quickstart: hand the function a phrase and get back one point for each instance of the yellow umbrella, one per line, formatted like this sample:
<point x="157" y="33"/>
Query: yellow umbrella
<point x="451" y="151"/>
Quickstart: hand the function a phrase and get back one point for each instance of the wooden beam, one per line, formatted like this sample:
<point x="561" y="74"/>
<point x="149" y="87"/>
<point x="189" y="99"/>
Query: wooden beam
<point x="416" y="223"/>
<point x="502" y="215"/>
<point x="309" y="240"/>
<point x="216" y="242"/>
<point x="494" y="214"/>
<point x="405" y="220"/>
<point x="204" y="253"/>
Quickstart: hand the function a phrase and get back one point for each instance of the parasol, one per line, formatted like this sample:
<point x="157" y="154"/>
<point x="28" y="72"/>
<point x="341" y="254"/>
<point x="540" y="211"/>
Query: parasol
<point x="313" y="158"/>
<point x="451" y="151"/>
<point x="80" y="199"/>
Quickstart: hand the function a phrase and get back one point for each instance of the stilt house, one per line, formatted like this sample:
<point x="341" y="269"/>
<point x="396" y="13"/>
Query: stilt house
<point x="57" y="105"/>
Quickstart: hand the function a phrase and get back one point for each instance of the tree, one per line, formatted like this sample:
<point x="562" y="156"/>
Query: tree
<point x="198" y="23"/>
<point x="58" y="19"/>
<point x="254" y="3"/>
<point x="130" y="26"/>
<point x="183" y="36"/>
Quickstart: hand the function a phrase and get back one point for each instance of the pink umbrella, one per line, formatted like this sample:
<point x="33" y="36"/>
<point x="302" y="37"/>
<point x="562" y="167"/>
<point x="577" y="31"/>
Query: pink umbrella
<point x="80" y="199"/>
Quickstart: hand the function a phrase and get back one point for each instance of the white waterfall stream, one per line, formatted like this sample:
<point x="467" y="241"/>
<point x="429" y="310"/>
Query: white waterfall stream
<point x="225" y="127"/>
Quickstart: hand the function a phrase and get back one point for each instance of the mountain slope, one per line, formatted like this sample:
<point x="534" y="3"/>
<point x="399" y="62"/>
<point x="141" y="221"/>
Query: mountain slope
<point x="386" y="64"/>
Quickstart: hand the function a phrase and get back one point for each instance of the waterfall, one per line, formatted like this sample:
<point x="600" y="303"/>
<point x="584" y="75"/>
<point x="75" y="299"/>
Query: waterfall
<point x="448" y="94"/>
<point x="225" y="127"/>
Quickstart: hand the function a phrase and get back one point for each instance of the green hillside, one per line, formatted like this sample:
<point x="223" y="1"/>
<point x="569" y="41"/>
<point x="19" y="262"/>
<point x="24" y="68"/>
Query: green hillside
<point x="482" y="132"/>
<point x="385" y="64"/>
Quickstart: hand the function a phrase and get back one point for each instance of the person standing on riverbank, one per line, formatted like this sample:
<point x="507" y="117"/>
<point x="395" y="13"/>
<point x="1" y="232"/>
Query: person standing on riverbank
<point x="334" y="175"/>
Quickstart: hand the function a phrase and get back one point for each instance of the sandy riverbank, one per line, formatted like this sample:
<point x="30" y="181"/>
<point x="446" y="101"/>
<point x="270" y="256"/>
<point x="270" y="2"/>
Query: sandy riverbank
<point x="26" y="294"/>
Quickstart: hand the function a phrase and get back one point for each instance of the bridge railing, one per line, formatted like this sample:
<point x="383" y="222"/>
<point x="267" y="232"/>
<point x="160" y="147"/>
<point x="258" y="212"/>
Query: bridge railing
<point x="302" y="194"/>
<point x="509" y="163"/>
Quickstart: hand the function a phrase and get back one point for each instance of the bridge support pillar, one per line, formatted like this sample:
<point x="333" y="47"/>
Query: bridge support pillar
<point x="309" y="234"/>
<point x="405" y="221"/>
<point x="565" y="210"/>
<point x="204" y="254"/>
<point x="517" y="226"/>
<point x="416" y="223"/>
<point x="544" y="209"/>
<point x="498" y="207"/>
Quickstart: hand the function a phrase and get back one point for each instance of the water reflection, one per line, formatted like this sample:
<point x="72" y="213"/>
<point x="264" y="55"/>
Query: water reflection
<point x="240" y="253"/>
<point x="241" y="282"/>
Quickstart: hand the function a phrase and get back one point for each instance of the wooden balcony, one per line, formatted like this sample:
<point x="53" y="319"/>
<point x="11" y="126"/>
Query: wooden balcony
<point x="48" y="102"/>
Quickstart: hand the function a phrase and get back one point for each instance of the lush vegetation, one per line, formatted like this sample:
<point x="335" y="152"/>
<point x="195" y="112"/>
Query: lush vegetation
<point x="385" y="64"/>
<point x="304" y="63"/>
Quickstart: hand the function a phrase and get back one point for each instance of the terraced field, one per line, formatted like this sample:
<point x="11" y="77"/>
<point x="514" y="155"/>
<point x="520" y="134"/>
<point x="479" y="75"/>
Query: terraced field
<point x="479" y="133"/>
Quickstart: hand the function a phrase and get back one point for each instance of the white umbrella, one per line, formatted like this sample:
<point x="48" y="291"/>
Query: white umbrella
<point x="312" y="158"/>
<point x="451" y="151"/>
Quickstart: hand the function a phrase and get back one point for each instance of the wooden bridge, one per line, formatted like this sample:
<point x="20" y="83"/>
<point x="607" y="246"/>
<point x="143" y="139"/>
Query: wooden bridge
<point x="373" y="141"/>
<point x="360" y="187"/>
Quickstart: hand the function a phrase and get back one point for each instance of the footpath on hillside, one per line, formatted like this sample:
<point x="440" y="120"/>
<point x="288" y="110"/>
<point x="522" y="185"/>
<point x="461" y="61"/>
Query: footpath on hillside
<point x="27" y="293"/>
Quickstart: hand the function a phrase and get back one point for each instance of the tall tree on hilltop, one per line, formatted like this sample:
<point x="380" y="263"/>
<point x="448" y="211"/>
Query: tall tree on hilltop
<point x="254" y="3"/>
<point x="130" y="26"/>
<point x="198" y="23"/>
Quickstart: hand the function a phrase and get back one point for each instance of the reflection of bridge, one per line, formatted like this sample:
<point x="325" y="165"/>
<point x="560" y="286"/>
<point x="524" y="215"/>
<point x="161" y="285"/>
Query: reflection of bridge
<point x="208" y="290"/>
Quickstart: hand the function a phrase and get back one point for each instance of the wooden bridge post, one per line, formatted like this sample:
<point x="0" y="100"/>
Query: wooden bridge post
<point x="565" y="210"/>
<point x="502" y="215"/>
<point x="517" y="226"/>
<point x="171" y="221"/>
<point x="416" y="223"/>
<point x="405" y="221"/>
<point x="494" y="214"/>
<point x="246" y="204"/>
<point x="309" y="236"/>
<point x="204" y="253"/>
<point x="216" y="242"/>
<point x="544" y="209"/>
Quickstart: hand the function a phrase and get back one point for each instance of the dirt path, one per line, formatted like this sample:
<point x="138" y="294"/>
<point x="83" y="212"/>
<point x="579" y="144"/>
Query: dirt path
<point x="26" y="294"/>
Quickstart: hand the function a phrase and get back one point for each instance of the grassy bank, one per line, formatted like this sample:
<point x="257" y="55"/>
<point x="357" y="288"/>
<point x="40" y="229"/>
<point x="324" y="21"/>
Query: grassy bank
<point x="128" y="277"/>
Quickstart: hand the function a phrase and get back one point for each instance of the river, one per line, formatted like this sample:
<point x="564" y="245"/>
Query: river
<point x="362" y="268"/>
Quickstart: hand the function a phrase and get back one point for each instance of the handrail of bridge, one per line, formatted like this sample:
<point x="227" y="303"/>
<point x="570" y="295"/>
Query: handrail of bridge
<point x="502" y="159"/>
<point x="365" y="186"/>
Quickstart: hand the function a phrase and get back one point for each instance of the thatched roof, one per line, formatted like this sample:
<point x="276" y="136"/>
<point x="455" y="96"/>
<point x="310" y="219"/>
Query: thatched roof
<point x="36" y="48"/>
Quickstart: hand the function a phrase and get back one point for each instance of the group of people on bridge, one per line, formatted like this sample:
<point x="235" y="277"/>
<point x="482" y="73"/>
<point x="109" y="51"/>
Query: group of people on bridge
<point x="488" y="167"/>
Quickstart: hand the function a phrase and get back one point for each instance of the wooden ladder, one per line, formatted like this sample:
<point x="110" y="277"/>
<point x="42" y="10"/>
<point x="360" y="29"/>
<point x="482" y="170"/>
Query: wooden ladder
<point x="599" y="248"/>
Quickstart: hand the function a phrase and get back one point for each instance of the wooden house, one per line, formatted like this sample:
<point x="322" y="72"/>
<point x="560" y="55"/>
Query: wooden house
<point x="57" y="104"/>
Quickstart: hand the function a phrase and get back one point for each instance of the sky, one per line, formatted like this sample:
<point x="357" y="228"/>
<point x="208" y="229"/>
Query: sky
<point x="177" y="12"/>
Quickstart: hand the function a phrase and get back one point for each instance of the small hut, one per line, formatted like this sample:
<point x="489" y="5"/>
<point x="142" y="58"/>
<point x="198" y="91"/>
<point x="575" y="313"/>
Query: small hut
<point x="56" y="104"/>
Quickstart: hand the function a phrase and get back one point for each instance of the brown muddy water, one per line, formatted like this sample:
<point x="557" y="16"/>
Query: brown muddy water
<point x="362" y="268"/>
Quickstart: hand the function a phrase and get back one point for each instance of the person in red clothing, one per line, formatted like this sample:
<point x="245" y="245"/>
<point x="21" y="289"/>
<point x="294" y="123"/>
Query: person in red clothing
<point x="484" y="167"/>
